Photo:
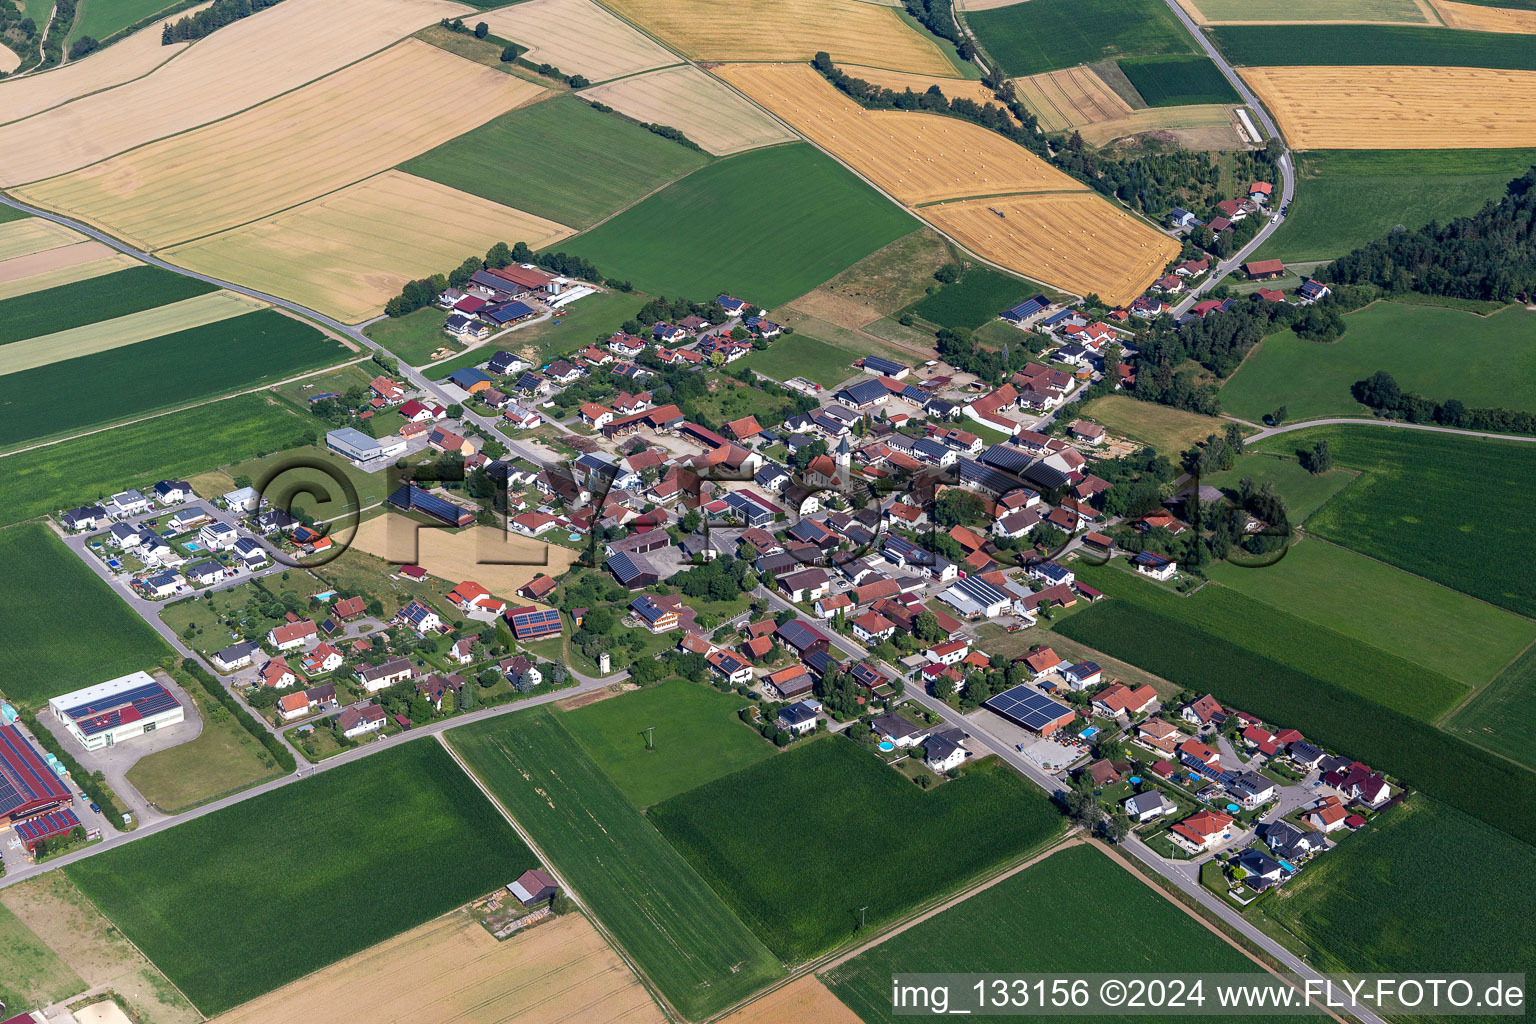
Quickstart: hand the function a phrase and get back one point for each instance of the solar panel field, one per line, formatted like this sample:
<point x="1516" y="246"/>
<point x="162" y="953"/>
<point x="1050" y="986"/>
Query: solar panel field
<point x="243" y="900"/>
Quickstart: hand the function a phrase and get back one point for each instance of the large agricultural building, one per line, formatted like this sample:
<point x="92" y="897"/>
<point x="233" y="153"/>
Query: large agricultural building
<point x="359" y="447"/>
<point x="119" y="709"/>
<point x="1025" y="706"/>
<point x="28" y="786"/>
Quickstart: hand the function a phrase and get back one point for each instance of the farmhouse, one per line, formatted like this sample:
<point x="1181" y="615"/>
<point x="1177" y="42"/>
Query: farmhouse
<point x="787" y="683"/>
<point x="119" y="709"/>
<point x="1264" y="270"/>
<point x="1027" y="707"/>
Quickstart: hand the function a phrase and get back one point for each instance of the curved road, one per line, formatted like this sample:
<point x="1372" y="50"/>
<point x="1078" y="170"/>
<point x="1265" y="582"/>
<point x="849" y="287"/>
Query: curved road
<point x="1363" y="421"/>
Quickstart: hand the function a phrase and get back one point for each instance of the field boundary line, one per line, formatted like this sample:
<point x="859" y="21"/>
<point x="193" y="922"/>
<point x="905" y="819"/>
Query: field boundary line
<point x="1471" y="696"/>
<point x="183" y="408"/>
<point x="102" y="914"/>
<point x="187" y="131"/>
<point x="666" y="1008"/>
<point x="93" y="92"/>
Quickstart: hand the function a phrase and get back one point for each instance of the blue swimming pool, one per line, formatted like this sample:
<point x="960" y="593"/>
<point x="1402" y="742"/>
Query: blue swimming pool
<point x="193" y="545"/>
<point x="325" y="596"/>
<point x="886" y="746"/>
<point x="1090" y="732"/>
<point x="1287" y="865"/>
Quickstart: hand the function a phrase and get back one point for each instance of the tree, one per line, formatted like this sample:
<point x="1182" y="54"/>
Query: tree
<point x="959" y="508"/>
<point x="1116" y="827"/>
<point x="455" y="411"/>
<point x="943" y="687"/>
<point x="482" y="30"/>
<point x="949" y="273"/>
<point x="1319" y="459"/>
<point x="508" y="54"/>
<point x="926" y="627"/>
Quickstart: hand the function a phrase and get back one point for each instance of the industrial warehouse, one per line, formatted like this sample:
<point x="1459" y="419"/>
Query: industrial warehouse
<point x="119" y="709"/>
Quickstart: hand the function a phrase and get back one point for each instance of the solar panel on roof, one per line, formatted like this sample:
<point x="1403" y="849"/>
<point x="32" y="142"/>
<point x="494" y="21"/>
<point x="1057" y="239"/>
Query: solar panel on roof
<point x="529" y="625"/>
<point x="1027" y="706"/>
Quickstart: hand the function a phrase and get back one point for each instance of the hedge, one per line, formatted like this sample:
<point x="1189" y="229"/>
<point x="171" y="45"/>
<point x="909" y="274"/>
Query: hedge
<point x="280" y="753"/>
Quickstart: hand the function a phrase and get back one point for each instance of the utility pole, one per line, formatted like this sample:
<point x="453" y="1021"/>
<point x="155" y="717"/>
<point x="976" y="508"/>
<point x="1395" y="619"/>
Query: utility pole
<point x="650" y="741"/>
<point x="861" y="916"/>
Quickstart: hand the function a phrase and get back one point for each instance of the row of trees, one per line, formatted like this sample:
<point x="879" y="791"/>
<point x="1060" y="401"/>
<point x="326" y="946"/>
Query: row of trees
<point x="215" y="16"/>
<point x="1381" y="392"/>
<point x="1489" y="255"/>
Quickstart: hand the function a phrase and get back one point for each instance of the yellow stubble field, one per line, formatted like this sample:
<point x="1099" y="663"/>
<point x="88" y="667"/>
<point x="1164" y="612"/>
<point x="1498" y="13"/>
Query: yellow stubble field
<point x="1070" y="98"/>
<point x="348" y="126"/>
<point x="700" y="107"/>
<point x="1200" y="126"/>
<point x="1077" y="242"/>
<point x="452" y="969"/>
<point x="578" y="37"/>
<point x="49" y="269"/>
<point x="346" y="253"/>
<point x="852" y="31"/>
<point x="805" y="1001"/>
<point x="34" y="234"/>
<point x="916" y="157"/>
<point x="1485" y="19"/>
<point x="240" y="65"/>
<point x="1391" y="107"/>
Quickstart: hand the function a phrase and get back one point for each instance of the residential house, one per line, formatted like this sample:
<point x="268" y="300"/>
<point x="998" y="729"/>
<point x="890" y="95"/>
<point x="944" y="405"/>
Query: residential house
<point x="1159" y="735"/>
<point x="291" y="635"/>
<point x="797" y="718"/>
<point x="217" y="536"/>
<point x="276" y="674"/>
<point x="1201" y="831"/>
<point x="730" y="668"/>
<point x="1120" y="701"/>
<point x="324" y="658"/>
<point x="943" y="752"/>
<point x="1145" y="806"/>
<point x="377" y="677"/>
<point x="359" y="720"/>
<point x="1327" y="815"/>
<point x="419" y="617"/>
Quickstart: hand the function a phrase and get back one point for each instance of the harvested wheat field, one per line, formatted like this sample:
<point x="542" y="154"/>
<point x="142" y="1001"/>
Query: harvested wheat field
<point x="240" y="65"/>
<point x="1310" y="12"/>
<point x="452" y="969"/>
<point x="578" y="37"/>
<point x="345" y="254"/>
<point x="1077" y="242"/>
<point x="952" y="88"/>
<point x="463" y="554"/>
<point x="805" y="1000"/>
<point x="34" y="234"/>
<point x="985" y="5"/>
<point x="41" y="270"/>
<point x="10" y="60"/>
<point x="123" y="61"/>
<point x="1389" y="107"/>
<point x="74" y="929"/>
<point x="916" y="157"/>
<point x="686" y="98"/>
<point x="1069" y="98"/>
<point x="358" y="122"/>
<point x="1485" y="19"/>
<point x="852" y="31"/>
<point x="1203" y="126"/>
<point x="103" y="335"/>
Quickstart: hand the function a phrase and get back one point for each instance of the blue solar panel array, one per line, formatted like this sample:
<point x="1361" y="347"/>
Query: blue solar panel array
<point x="411" y="497"/>
<point x="532" y="625"/>
<point x="148" y="699"/>
<point x="1028" y="707"/>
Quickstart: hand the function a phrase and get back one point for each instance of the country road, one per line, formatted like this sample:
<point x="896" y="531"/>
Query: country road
<point x="1364" y="421"/>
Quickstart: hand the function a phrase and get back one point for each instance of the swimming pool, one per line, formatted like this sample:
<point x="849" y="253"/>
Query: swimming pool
<point x="193" y="545"/>
<point x="1090" y="732"/>
<point x="1287" y="864"/>
<point x="325" y="596"/>
<point x="886" y="746"/>
<point x="1233" y="808"/>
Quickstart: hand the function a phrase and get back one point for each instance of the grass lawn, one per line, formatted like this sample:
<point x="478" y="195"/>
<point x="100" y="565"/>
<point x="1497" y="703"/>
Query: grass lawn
<point x="100" y="18"/>
<point x="50" y="653"/>
<point x="1168" y="430"/>
<point x="89" y="468"/>
<point x="248" y="898"/>
<point x="1416" y="890"/>
<point x="870" y="836"/>
<point x="34" y="974"/>
<point x="1346" y="198"/>
<point x="222" y="759"/>
<point x="87" y="302"/>
<point x="415" y="336"/>
<point x="1441" y="629"/>
<point x="697" y="738"/>
<point x="1486" y="361"/>
<point x="807" y="219"/>
<point x="588" y="164"/>
<point x="1407" y="45"/>
<point x="1172" y="81"/>
<point x="1415" y="507"/>
<point x="1045" y="35"/>
<point x="327" y="500"/>
<point x="1426" y="759"/>
<point x="803" y="355"/>
<point x="895" y="276"/>
<point x="1502" y="716"/>
<point x="1304" y="492"/>
<point x="683" y="936"/>
<point x="187" y="366"/>
<point x="1315" y="644"/>
<point x="977" y="297"/>
<point x="577" y="326"/>
<point x="1034" y="922"/>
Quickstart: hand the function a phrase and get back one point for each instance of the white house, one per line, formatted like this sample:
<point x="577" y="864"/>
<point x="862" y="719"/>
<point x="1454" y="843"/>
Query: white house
<point x="358" y="720"/>
<point x="951" y="653"/>
<point x="217" y="536"/>
<point x="797" y="718"/>
<point x="942" y="754"/>
<point x="1148" y="805"/>
<point x="127" y="503"/>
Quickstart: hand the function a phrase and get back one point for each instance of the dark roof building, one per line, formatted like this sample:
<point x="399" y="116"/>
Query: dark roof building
<point x="27" y="785"/>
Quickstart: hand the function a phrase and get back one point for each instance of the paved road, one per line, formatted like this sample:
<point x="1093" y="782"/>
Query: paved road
<point x="1286" y="428"/>
<point x="1287" y="167"/>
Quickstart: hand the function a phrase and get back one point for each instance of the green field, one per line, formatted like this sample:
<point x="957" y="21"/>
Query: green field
<point x="1315" y="646"/>
<point x="666" y="917"/>
<point x="806" y="219"/>
<point x="221" y="759"/>
<point x="34" y="974"/>
<point x="697" y="738"/>
<point x="1346" y="198"/>
<point x="1405" y="11"/>
<point x="1502" y="716"/>
<point x="1172" y="81"/>
<point x="87" y="302"/>
<point x="1044" y="35"/>
<point x="9" y="213"/>
<point x="560" y="159"/>
<point x="327" y="500"/>
<point x="414" y="337"/>
<point x="84" y="469"/>
<point x="1438" y="505"/>
<point x="1486" y="361"/>
<point x="248" y="898"/>
<point x="1407" y="45"/>
<point x="101" y="18"/>
<point x="1424" y="888"/>
<point x="863" y="831"/>
<point x="184" y="367"/>
<point x="49" y="653"/>
<point x="1304" y="492"/>
<point x="1165" y="428"/>
<point x="1425" y="758"/>
<point x="1443" y="630"/>
<point x="1033" y="922"/>
<point x="977" y="297"/>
